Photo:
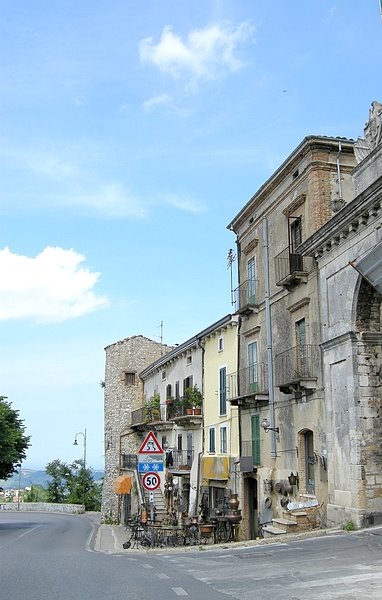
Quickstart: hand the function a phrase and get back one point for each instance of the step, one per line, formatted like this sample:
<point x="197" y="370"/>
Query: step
<point x="287" y="523"/>
<point x="271" y="530"/>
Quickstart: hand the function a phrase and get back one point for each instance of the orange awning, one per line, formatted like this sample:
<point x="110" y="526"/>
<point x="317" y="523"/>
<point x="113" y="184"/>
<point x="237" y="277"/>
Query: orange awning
<point x="122" y="485"/>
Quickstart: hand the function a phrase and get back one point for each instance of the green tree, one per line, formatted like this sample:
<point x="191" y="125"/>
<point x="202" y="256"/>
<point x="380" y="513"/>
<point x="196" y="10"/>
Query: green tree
<point x="72" y="484"/>
<point x="57" y="490"/>
<point x="13" y="441"/>
<point x="36" y="494"/>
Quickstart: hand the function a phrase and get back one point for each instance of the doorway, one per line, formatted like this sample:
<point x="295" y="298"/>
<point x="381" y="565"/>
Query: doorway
<point x="252" y="503"/>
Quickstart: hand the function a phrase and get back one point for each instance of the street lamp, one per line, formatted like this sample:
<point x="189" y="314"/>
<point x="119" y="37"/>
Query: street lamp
<point x="75" y="443"/>
<point x="265" y="424"/>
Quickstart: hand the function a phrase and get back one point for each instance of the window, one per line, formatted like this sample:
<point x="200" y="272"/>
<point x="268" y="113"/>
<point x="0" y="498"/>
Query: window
<point x="189" y="360"/>
<point x="223" y="440"/>
<point x="255" y="426"/>
<point x="295" y="239"/>
<point x="223" y="391"/>
<point x="187" y="383"/>
<point x="211" y="445"/>
<point x="176" y="390"/>
<point x="163" y="375"/>
<point x="168" y="391"/>
<point x="252" y="367"/>
<point x="180" y="442"/>
<point x="301" y="348"/>
<point x="220" y="344"/>
<point x="129" y="378"/>
<point x="251" y="280"/>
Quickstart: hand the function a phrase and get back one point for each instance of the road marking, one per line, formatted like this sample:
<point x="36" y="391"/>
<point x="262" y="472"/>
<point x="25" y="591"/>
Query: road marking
<point x="146" y="566"/>
<point x="162" y="576"/>
<point x="180" y="591"/>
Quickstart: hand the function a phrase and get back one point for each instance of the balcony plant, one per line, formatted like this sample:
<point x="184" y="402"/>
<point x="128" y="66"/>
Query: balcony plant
<point x="193" y="398"/>
<point x="153" y="408"/>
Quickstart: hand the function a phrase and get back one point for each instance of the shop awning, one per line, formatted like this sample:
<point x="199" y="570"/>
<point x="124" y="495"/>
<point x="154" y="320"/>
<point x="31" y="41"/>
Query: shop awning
<point x="370" y="267"/>
<point x="122" y="485"/>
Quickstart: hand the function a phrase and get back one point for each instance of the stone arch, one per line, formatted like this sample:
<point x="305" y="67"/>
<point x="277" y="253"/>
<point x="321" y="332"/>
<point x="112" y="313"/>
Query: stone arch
<point x="368" y="371"/>
<point x="368" y="308"/>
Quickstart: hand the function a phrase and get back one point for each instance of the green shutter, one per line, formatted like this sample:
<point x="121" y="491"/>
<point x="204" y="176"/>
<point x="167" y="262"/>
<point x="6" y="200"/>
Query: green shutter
<point x="255" y="422"/>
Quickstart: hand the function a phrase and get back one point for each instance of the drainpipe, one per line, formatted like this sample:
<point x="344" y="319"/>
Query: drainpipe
<point x="269" y="337"/>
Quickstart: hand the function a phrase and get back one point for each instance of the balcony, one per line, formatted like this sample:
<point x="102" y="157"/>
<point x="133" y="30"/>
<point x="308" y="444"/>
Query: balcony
<point x="180" y="460"/>
<point x="129" y="461"/>
<point x="245" y="297"/>
<point x="292" y="269"/>
<point x="248" y="385"/>
<point x="297" y="369"/>
<point x="173" y="411"/>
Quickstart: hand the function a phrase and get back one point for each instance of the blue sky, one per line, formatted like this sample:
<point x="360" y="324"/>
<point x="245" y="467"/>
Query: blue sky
<point x="132" y="132"/>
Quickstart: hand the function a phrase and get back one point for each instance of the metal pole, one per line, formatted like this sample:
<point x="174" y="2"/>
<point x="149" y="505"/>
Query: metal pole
<point x="269" y="336"/>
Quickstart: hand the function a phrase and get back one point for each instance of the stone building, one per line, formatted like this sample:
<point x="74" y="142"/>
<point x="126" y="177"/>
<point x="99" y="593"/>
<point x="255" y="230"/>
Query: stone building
<point x="125" y="359"/>
<point x="348" y="254"/>
<point x="280" y="386"/>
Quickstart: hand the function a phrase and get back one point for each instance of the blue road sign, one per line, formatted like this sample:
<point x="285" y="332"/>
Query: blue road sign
<point x="146" y="467"/>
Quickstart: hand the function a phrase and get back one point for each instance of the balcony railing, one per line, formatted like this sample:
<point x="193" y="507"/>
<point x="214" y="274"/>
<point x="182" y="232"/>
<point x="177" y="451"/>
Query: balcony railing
<point x="245" y="296"/>
<point x="129" y="461"/>
<point x="247" y="382"/>
<point x="181" y="460"/>
<point x="166" y="412"/>
<point x="291" y="267"/>
<point x="298" y="365"/>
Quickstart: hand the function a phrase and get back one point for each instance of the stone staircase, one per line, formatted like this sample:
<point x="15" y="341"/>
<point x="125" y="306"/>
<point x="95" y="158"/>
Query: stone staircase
<point x="293" y="521"/>
<point x="159" y="503"/>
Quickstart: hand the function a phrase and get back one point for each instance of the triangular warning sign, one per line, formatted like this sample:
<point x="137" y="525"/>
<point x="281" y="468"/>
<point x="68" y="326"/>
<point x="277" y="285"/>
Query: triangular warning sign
<point x="150" y="445"/>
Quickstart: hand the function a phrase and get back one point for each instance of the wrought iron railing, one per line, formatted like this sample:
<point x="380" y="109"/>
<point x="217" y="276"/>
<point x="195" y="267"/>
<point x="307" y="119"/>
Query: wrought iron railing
<point x="176" y="407"/>
<point x="129" y="461"/>
<point x="245" y="295"/>
<point x="296" y="364"/>
<point x="180" y="459"/>
<point x="251" y="380"/>
<point x="288" y="262"/>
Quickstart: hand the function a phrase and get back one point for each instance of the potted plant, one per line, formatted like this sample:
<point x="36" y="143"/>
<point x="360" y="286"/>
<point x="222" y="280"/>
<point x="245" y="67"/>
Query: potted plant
<point x="153" y="407"/>
<point x="194" y="399"/>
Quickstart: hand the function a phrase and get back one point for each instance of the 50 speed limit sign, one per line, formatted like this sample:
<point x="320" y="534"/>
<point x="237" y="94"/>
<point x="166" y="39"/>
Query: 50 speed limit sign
<point x="151" y="481"/>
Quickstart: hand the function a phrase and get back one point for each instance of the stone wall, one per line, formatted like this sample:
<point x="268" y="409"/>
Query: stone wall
<point x="123" y="393"/>
<point x="74" y="509"/>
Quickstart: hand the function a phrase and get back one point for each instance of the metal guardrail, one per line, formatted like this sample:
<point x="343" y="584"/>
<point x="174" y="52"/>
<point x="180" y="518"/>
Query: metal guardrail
<point x="251" y="380"/>
<point x="296" y="364"/>
<point x="245" y="295"/>
<point x="288" y="262"/>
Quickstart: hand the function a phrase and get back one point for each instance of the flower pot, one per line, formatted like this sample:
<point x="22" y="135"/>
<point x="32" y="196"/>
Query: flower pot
<point x="189" y="411"/>
<point x="197" y="411"/>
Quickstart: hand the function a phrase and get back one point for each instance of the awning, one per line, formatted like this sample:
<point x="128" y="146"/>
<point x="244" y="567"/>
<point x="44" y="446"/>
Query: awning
<point x="370" y="267"/>
<point x="215" y="467"/>
<point x="122" y="485"/>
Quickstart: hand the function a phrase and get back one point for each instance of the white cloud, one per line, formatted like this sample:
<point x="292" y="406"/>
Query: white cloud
<point x="50" y="287"/>
<point x="111" y="200"/>
<point x="164" y="101"/>
<point x="206" y="54"/>
<point x="185" y="203"/>
<point x="160" y="100"/>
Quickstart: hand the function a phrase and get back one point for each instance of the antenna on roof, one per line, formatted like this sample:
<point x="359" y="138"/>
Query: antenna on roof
<point x="231" y="257"/>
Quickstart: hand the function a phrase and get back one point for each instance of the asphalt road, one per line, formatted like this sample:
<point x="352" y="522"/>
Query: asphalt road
<point x="52" y="557"/>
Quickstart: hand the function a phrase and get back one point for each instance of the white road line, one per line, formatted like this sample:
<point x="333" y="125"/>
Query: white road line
<point x="146" y="566"/>
<point x="162" y="576"/>
<point x="180" y="591"/>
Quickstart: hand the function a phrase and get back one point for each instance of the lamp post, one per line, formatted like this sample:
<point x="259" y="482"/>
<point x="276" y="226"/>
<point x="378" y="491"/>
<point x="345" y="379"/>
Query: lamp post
<point x="75" y="443"/>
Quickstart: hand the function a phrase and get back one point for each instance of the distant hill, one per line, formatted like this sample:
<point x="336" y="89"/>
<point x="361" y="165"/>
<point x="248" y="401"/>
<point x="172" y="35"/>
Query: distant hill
<point x="29" y="477"/>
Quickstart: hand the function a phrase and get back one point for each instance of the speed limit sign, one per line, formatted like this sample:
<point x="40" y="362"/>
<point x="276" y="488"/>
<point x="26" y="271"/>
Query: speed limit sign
<point x="151" y="481"/>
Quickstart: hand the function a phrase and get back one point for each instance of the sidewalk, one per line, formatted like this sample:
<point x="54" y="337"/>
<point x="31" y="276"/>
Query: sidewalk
<point x="109" y="539"/>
